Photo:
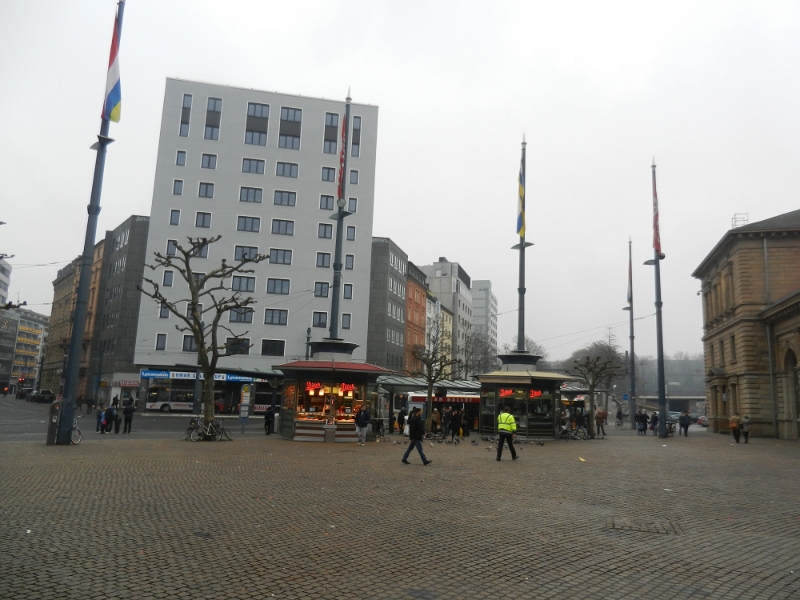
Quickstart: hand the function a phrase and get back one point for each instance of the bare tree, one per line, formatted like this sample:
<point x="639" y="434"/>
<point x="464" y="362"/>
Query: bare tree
<point x="592" y="370"/>
<point x="209" y="297"/>
<point x="479" y="356"/>
<point x="530" y="346"/>
<point x="435" y="362"/>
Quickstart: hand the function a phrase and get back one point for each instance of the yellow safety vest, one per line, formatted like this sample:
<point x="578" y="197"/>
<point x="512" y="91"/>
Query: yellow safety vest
<point x="506" y="422"/>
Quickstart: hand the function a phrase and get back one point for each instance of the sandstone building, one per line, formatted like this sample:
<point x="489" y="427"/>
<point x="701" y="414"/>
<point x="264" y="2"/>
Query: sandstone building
<point x="751" y="321"/>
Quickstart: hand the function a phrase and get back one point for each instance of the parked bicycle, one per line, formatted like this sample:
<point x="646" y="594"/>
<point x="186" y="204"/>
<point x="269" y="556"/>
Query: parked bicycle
<point x="192" y="426"/>
<point x="75" y="435"/>
<point x="213" y="430"/>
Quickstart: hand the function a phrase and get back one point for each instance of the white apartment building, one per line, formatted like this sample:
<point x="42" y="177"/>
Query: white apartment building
<point x="260" y="169"/>
<point x="451" y="285"/>
<point x="484" y="311"/>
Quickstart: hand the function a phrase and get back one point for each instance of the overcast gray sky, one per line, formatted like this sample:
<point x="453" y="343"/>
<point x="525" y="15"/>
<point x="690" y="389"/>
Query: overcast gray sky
<point x="711" y="89"/>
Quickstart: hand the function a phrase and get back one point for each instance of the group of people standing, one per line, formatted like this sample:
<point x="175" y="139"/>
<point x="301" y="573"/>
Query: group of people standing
<point x="110" y="417"/>
<point x="452" y="421"/>
<point x="643" y="422"/>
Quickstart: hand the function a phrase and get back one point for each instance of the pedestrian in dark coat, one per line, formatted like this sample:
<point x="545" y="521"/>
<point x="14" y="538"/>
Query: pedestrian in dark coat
<point x="447" y="419"/>
<point x="110" y="416"/>
<point x="416" y="431"/>
<point x="654" y="423"/>
<point x="684" y="421"/>
<point x="127" y="412"/>
<point x="269" y="421"/>
<point x="455" y="424"/>
<point x="401" y="420"/>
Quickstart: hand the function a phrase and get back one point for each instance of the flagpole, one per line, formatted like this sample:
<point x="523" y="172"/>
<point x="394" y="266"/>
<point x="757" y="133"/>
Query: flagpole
<point x="521" y="288"/>
<point x="632" y="369"/>
<point x="340" y="216"/>
<point x="658" y="256"/>
<point x="72" y="372"/>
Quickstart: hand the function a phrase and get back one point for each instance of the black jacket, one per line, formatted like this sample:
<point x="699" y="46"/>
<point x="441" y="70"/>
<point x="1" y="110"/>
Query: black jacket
<point x="416" y="429"/>
<point x="128" y="411"/>
<point x="362" y="418"/>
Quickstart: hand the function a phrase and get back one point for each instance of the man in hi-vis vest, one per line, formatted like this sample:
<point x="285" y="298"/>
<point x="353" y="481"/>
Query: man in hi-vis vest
<point x="506" y="427"/>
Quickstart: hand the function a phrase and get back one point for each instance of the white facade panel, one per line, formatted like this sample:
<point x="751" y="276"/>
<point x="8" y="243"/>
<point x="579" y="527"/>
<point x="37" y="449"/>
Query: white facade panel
<point x="305" y="215"/>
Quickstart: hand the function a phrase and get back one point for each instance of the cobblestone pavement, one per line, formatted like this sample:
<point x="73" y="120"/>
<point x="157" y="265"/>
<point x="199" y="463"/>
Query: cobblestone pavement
<point x="120" y="517"/>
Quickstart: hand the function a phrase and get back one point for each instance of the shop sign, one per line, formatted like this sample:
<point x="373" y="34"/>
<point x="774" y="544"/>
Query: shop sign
<point x="313" y="385"/>
<point x="125" y="383"/>
<point x="535" y="393"/>
<point x="347" y="387"/>
<point x="148" y="374"/>
<point x="506" y="393"/>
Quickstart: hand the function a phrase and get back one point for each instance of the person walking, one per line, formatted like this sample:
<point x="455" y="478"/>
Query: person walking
<point x="117" y="419"/>
<point x="619" y="417"/>
<point x="736" y="425"/>
<point x="684" y="421"/>
<point x="362" y="422"/>
<point x="269" y="420"/>
<point x="746" y="422"/>
<point x="436" y="422"/>
<point x="416" y="430"/>
<point x="127" y="412"/>
<point x="447" y="418"/>
<point x="506" y="429"/>
<point x="89" y="405"/>
<point x="110" y="414"/>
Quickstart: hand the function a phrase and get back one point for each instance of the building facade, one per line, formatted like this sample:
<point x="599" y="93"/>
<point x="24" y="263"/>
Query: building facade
<point x="751" y="321"/>
<point x="416" y="307"/>
<point x="449" y="282"/>
<point x="260" y="170"/>
<point x="31" y="342"/>
<point x="113" y="371"/>
<point x="387" y="305"/>
<point x="439" y="322"/>
<point x="9" y="323"/>
<point x="5" y="280"/>
<point x="65" y="291"/>
<point x="484" y="312"/>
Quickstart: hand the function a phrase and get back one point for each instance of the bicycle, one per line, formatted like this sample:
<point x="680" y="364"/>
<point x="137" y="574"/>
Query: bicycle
<point x="75" y="435"/>
<point x="213" y="430"/>
<point x="192" y="426"/>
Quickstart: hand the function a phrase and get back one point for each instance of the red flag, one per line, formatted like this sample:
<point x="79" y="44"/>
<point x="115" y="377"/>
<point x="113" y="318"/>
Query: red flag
<point x="340" y="191"/>
<point x="656" y="232"/>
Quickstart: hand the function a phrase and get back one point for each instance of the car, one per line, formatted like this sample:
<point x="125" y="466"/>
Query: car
<point x="674" y="414"/>
<point x="24" y="393"/>
<point x="702" y="420"/>
<point x="43" y="396"/>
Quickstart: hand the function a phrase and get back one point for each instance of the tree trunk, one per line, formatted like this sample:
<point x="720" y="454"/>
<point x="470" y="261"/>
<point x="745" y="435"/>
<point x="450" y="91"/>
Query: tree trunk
<point x="429" y="407"/>
<point x="208" y="396"/>
<point x="591" y="414"/>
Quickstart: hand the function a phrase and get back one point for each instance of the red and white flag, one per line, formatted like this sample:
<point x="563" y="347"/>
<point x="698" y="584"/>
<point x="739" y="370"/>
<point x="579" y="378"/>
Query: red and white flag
<point x="656" y="232"/>
<point x="340" y="191"/>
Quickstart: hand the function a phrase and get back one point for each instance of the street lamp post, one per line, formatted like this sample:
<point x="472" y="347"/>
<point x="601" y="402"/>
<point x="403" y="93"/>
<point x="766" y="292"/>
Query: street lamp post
<point x="632" y="357"/>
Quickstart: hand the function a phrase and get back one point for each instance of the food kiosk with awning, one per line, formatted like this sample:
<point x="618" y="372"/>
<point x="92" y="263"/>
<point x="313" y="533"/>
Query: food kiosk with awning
<point x="323" y="396"/>
<point x="533" y="397"/>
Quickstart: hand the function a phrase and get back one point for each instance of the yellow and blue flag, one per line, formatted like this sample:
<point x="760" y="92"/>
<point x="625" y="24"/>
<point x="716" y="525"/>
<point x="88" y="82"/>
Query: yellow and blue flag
<point x="521" y="211"/>
<point x="112" y="105"/>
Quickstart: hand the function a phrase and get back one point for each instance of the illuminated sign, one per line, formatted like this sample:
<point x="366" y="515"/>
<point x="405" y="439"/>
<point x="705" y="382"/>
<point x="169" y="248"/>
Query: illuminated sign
<point x="347" y="387"/>
<point x="313" y="385"/>
<point x="535" y="393"/>
<point x="506" y="393"/>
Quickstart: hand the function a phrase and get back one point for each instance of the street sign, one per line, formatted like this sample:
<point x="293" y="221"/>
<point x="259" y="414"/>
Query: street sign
<point x="626" y="397"/>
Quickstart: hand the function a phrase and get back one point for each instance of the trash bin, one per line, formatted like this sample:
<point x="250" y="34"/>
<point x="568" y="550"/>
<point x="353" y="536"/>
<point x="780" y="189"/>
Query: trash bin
<point x="52" y="423"/>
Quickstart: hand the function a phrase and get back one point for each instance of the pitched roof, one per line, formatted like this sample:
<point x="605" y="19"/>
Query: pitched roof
<point x="329" y="365"/>
<point x="786" y="222"/>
